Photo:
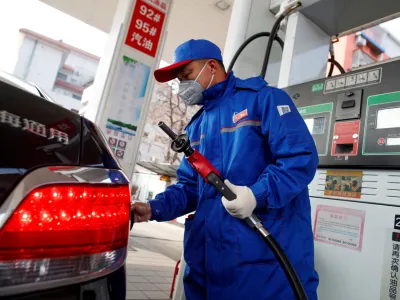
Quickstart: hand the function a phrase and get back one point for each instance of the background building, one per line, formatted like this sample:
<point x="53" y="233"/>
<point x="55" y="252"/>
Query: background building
<point x="61" y="70"/>
<point x="365" y="47"/>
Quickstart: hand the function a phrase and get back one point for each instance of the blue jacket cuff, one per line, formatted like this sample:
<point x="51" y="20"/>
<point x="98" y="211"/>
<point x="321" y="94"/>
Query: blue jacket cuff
<point x="156" y="210"/>
<point x="260" y="193"/>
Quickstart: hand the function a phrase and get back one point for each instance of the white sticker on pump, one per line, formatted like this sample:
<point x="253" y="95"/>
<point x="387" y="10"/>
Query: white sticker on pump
<point x="339" y="226"/>
<point x="393" y="141"/>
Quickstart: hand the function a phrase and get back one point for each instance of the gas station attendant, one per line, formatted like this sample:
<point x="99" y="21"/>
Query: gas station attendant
<point x="254" y="136"/>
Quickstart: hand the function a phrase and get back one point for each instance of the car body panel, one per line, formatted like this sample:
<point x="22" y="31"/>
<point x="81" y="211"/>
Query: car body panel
<point x="36" y="133"/>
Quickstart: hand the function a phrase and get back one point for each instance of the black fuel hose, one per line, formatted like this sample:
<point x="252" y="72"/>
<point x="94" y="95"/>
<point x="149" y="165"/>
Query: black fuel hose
<point x="248" y="41"/>
<point x="337" y="65"/>
<point x="254" y="222"/>
<point x="287" y="267"/>
<point x="332" y="66"/>
<point x="333" y="62"/>
<point x="274" y="33"/>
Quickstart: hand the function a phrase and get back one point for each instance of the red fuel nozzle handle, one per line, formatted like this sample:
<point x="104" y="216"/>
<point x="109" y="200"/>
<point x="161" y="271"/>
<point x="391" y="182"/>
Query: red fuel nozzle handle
<point x="210" y="174"/>
<point x="201" y="165"/>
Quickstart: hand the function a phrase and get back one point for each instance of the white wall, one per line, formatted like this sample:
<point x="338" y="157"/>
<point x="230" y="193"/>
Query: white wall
<point x="38" y="63"/>
<point x="392" y="47"/>
<point x="44" y="63"/>
<point x="195" y="19"/>
<point x="25" y="52"/>
<point x="86" y="67"/>
<point x="44" y="66"/>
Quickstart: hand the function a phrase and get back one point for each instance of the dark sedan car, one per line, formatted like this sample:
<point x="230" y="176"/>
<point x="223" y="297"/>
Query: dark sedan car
<point x="64" y="202"/>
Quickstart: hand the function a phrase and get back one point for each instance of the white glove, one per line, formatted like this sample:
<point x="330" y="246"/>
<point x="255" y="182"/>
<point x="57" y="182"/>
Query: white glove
<point x="244" y="204"/>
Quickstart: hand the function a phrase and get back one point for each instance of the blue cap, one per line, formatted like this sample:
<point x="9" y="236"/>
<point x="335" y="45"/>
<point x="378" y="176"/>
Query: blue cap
<point x="186" y="53"/>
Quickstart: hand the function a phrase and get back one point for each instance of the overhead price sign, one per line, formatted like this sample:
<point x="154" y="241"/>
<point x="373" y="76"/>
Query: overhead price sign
<point x="146" y="26"/>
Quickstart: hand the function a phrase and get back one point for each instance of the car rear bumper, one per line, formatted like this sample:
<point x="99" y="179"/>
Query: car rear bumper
<point x="110" y="287"/>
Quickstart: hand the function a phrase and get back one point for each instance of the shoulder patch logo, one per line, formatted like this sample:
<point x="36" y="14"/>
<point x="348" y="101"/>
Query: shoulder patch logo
<point x="283" y="109"/>
<point x="239" y="116"/>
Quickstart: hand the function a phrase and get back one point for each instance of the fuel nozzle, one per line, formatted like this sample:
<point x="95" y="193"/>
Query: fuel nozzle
<point x="180" y="143"/>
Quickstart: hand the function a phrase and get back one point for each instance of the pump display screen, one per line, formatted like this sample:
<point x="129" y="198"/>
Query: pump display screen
<point x="393" y="141"/>
<point x="388" y="118"/>
<point x="316" y="125"/>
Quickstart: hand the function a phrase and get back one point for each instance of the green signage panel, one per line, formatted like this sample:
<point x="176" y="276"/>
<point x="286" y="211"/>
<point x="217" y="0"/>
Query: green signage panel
<point x="371" y="119"/>
<point x="318" y="87"/>
<point x="384" y="98"/>
<point x="316" y="109"/>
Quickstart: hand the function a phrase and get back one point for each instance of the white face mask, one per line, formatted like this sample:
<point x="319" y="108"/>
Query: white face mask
<point x="191" y="92"/>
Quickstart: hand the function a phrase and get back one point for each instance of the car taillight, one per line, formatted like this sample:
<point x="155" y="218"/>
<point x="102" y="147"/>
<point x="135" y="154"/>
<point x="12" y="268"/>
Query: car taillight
<point x="62" y="231"/>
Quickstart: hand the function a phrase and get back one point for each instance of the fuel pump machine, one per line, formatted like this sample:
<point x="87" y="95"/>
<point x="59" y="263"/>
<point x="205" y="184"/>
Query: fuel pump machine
<point x="355" y="195"/>
<point x="354" y="119"/>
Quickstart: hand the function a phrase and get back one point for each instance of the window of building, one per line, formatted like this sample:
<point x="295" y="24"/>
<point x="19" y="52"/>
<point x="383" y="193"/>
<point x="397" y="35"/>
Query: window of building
<point x="62" y="76"/>
<point x="360" y="58"/>
<point x="60" y="91"/>
<point x="77" y="97"/>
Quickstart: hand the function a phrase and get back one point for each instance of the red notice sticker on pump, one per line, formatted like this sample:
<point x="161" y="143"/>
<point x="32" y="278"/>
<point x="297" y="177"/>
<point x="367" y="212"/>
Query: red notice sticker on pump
<point x="339" y="226"/>
<point x="346" y="138"/>
<point x="381" y="141"/>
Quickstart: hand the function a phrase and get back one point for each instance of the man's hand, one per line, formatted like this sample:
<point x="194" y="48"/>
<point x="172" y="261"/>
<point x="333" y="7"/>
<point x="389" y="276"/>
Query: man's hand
<point x="141" y="212"/>
<point x="244" y="204"/>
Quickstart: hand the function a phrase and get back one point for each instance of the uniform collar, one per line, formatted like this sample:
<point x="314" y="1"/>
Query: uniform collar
<point x="231" y="83"/>
<point x="220" y="89"/>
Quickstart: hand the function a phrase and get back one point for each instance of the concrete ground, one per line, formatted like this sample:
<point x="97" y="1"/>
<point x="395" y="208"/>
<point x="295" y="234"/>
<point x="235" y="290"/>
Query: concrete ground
<point x="154" y="250"/>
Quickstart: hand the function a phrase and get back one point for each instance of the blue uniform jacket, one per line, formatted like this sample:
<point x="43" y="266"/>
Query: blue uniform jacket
<point x="254" y="136"/>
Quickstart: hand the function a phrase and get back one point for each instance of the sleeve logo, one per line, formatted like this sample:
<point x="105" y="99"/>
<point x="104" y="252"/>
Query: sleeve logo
<point x="283" y="109"/>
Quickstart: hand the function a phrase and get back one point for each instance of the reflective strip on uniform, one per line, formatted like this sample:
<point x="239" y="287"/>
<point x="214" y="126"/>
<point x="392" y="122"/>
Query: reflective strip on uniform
<point x="196" y="143"/>
<point x="241" y="124"/>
